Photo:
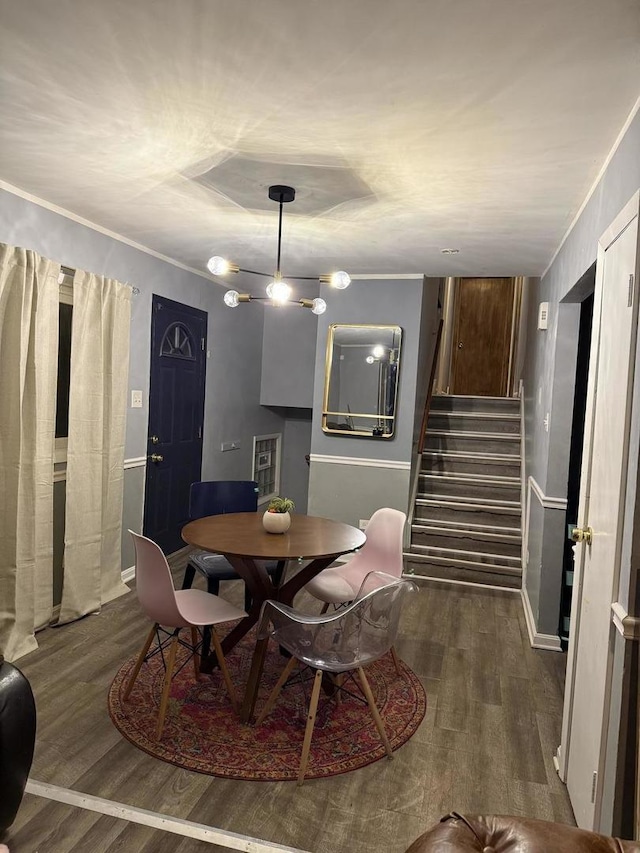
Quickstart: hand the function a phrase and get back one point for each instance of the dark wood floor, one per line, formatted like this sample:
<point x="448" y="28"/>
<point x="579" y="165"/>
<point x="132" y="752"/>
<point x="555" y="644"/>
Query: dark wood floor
<point x="485" y="745"/>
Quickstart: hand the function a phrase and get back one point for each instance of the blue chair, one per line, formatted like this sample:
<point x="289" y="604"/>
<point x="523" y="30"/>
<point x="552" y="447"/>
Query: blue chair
<point x="216" y="497"/>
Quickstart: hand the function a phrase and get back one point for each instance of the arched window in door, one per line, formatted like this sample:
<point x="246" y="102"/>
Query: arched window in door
<point x="177" y="343"/>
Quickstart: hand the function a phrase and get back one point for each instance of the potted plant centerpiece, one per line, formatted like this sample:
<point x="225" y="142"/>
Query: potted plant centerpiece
<point x="277" y="519"/>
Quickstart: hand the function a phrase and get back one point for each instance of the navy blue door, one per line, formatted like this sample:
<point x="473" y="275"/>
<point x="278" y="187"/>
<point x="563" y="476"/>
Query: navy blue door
<point x="176" y="411"/>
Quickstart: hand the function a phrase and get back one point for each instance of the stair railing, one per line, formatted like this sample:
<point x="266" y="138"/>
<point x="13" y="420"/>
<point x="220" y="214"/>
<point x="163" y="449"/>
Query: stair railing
<point x="432" y="379"/>
<point x="417" y="459"/>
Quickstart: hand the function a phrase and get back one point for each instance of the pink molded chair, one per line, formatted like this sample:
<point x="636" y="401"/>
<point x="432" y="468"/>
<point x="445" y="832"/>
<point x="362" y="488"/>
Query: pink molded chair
<point x="382" y="552"/>
<point x="175" y="609"/>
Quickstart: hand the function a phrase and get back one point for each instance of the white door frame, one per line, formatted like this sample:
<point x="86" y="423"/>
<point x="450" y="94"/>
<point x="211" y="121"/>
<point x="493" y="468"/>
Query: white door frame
<point x="619" y="224"/>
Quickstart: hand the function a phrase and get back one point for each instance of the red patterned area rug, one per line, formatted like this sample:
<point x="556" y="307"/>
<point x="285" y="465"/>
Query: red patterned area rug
<point x="202" y="733"/>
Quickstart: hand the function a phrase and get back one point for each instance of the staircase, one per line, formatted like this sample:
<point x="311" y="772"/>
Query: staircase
<point x="466" y="523"/>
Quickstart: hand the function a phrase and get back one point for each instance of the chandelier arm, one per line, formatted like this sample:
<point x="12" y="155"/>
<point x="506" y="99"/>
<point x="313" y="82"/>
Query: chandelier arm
<point x="255" y="272"/>
<point x="270" y="275"/>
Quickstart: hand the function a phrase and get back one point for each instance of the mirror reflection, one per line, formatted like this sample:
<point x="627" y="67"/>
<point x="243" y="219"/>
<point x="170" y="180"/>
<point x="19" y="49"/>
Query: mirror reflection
<point x="361" y="380"/>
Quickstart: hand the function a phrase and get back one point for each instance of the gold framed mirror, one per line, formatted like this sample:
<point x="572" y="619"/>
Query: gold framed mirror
<point x="361" y="380"/>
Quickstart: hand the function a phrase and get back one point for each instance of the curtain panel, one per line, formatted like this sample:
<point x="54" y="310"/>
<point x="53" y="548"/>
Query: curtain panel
<point x="95" y="455"/>
<point x="28" y="371"/>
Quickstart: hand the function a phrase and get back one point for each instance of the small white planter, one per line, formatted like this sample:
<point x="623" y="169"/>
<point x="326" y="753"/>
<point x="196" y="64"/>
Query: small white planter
<point x="276" y="522"/>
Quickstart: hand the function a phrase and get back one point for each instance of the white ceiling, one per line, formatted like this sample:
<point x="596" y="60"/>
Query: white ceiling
<point x="406" y="127"/>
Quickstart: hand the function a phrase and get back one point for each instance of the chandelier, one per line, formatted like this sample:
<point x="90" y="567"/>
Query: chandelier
<point x="278" y="292"/>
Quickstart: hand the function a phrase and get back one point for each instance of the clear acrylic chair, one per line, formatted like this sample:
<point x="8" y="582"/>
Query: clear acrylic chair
<point x="341" y="642"/>
<point x="173" y="609"/>
<point x="380" y="554"/>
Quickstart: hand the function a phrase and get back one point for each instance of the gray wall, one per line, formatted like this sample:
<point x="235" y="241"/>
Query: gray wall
<point x="289" y="353"/>
<point x="386" y="302"/>
<point x="350" y="492"/>
<point x="294" y="474"/>
<point x="232" y="408"/>
<point x="550" y="363"/>
<point x="550" y="367"/>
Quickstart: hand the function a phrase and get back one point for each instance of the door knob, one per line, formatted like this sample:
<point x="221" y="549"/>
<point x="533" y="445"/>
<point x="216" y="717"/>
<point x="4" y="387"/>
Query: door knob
<point x="460" y="345"/>
<point x="154" y="439"/>
<point x="582" y="534"/>
<point x="156" y="457"/>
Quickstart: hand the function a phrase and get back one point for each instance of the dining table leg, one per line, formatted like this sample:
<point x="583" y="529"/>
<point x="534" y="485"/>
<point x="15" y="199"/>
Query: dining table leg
<point x="285" y="594"/>
<point x="261" y="587"/>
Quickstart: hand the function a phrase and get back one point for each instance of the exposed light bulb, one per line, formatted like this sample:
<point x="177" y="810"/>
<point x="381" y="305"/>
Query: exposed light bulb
<point x="218" y="266"/>
<point x="318" y="306"/>
<point x="340" y="280"/>
<point x="369" y="359"/>
<point x="279" y="292"/>
<point x="378" y="351"/>
<point x="232" y="298"/>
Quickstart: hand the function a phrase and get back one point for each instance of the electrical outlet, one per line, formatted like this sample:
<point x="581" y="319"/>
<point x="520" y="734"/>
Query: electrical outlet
<point x="136" y="399"/>
<point x="362" y="524"/>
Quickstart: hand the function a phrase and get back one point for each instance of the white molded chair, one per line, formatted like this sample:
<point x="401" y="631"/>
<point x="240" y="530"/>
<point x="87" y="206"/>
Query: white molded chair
<point x="338" y="643"/>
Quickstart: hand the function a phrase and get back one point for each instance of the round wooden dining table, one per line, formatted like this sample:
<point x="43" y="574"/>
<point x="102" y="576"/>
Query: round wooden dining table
<point x="242" y="539"/>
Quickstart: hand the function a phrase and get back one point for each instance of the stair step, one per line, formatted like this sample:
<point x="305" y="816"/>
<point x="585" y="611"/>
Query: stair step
<point x="447" y="441"/>
<point x="445" y="462"/>
<point x="484" y="576"/>
<point x="455" y="556"/>
<point x="474" y="422"/>
<point x="481" y="529"/>
<point x="432" y="536"/>
<point x="478" y="487"/>
<point x="475" y="503"/>
<point x="455" y="402"/>
<point x="472" y="479"/>
<point x="428" y="511"/>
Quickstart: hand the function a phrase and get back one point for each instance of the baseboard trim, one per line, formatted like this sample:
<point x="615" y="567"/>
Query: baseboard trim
<point x="155" y="820"/>
<point x="129" y="574"/>
<point x="549" y="642"/>
<point x="359" y="461"/>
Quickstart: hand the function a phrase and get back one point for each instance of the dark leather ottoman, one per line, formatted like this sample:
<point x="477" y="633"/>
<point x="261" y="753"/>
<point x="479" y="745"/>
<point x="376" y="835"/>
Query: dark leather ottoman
<point x="503" y="834"/>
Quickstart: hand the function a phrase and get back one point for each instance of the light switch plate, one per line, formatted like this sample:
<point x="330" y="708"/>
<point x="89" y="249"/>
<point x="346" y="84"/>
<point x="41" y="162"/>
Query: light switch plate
<point x="543" y="315"/>
<point x="136" y="399"/>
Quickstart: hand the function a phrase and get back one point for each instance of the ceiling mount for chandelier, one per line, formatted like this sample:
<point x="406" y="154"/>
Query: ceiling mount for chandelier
<point x="278" y="291"/>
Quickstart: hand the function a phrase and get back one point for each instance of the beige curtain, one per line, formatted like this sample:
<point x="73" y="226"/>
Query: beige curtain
<point x="28" y="371"/>
<point x="95" y="456"/>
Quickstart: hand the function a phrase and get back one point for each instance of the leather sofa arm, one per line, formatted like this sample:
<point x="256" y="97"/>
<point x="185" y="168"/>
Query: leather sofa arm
<point x="17" y="738"/>
<point x="505" y="834"/>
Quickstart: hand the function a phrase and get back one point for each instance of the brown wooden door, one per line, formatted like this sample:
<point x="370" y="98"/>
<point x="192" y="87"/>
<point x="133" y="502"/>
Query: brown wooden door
<point x="482" y="336"/>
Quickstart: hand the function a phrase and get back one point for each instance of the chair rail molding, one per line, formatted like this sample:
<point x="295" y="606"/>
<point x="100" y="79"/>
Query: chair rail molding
<point x="135" y="462"/>
<point x="363" y="462"/>
<point x="626" y="625"/>
<point x="546" y="501"/>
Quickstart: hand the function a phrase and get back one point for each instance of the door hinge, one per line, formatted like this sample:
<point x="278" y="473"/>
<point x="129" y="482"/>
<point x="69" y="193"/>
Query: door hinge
<point x="630" y="297"/>
<point x="199" y="432"/>
<point x="594" y="783"/>
<point x="202" y="344"/>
